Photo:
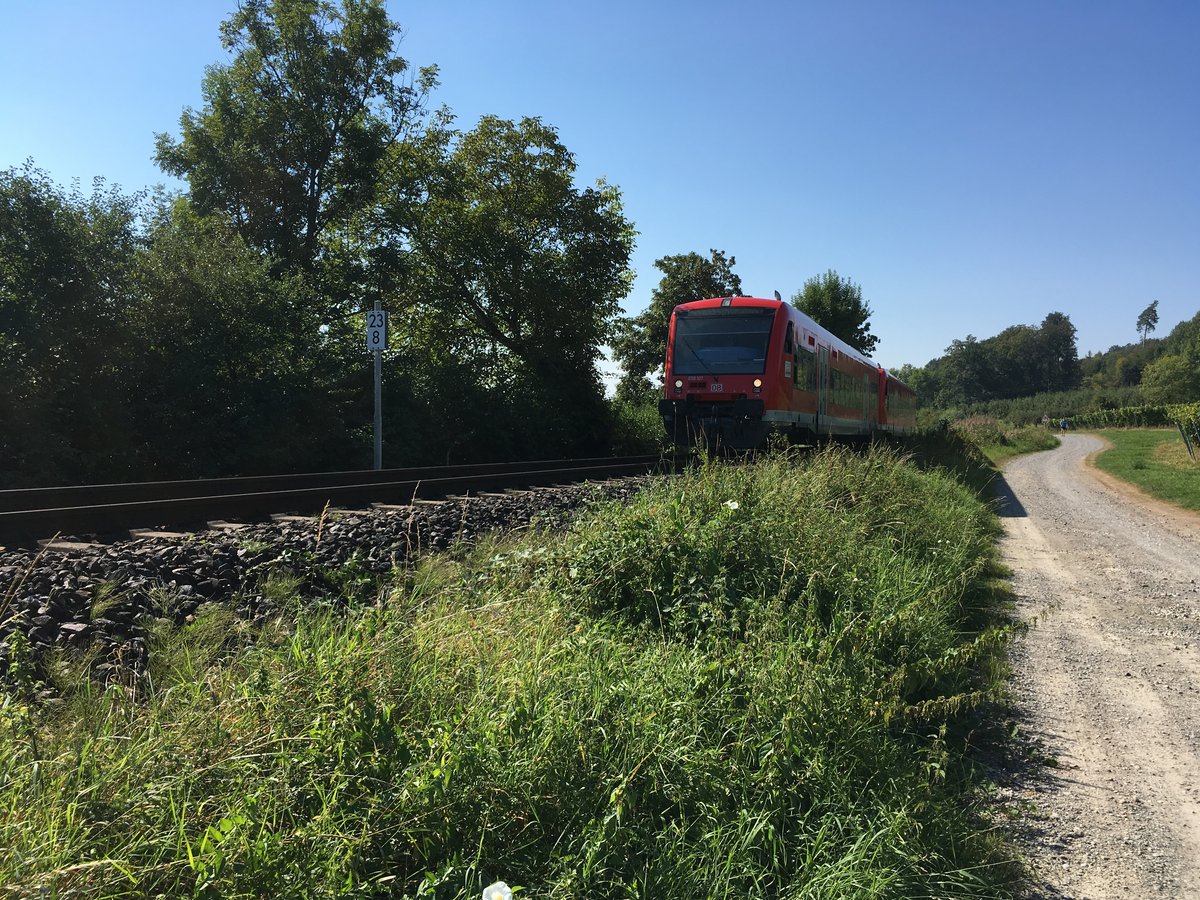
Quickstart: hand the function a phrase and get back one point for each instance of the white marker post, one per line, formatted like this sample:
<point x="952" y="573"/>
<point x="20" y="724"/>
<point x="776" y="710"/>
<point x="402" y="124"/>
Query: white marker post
<point x="377" y="322"/>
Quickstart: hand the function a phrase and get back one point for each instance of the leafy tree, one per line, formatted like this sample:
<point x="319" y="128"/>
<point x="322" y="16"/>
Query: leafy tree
<point x="1148" y="320"/>
<point x="965" y="372"/>
<point x="231" y="369"/>
<point x="65" y="262"/>
<point x="296" y="130"/>
<point x="1011" y="352"/>
<point x="1171" y="379"/>
<point x="837" y="304"/>
<point x="1059" y="355"/>
<point x="640" y="345"/>
<point x="1184" y="338"/>
<point x="920" y="379"/>
<point x="519" y="274"/>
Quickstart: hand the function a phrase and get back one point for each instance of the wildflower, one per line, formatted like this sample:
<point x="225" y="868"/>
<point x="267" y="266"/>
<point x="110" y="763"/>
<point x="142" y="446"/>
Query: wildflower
<point x="497" y="891"/>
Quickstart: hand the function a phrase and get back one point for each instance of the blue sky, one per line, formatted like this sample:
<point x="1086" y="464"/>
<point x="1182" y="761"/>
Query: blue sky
<point x="972" y="165"/>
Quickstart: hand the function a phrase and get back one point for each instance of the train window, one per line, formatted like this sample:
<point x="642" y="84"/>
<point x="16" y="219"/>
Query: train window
<point x="787" y="341"/>
<point x="805" y="373"/>
<point x="722" y="341"/>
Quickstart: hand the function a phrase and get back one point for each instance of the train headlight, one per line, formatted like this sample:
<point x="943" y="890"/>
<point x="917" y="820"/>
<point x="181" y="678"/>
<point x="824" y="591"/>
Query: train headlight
<point x="758" y="385"/>
<point x="678" y="385"/>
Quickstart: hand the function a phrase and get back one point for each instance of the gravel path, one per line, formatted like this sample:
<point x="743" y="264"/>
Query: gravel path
<point x="1107" y="680"/>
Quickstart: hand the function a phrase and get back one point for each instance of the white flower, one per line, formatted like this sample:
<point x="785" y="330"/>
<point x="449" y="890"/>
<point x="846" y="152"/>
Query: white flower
<point x="497" y="891"/>
<point x="731" y="504"/>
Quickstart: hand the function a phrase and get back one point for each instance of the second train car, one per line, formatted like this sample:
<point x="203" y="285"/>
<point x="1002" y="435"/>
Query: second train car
<point x="740" y="368"/>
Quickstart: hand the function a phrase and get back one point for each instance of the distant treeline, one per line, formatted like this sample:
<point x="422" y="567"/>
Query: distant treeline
<point x="1025" y="373"/>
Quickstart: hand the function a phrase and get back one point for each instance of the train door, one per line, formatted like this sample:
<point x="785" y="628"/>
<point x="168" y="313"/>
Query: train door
<point x="822" y="386"/>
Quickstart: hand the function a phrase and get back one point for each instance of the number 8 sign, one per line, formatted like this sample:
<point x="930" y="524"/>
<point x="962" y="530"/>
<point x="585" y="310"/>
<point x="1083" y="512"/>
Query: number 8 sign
<point x="377" y="322"/>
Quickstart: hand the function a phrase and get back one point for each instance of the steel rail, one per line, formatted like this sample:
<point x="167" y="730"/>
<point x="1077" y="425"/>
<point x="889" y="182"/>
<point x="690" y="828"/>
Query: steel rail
<point x="94" y="494"/>
<point x="165" y="504"/>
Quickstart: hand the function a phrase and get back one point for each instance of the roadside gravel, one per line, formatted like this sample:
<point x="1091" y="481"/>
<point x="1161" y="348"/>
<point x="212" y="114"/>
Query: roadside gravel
<point x="1106" y="681"/>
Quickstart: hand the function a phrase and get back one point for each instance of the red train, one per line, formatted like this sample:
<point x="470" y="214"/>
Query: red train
<point x="740" y="368"/>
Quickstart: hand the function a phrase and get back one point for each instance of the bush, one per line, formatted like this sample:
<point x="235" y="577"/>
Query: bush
<point x="1126" y="417"/>
<point x="637" y="428"/>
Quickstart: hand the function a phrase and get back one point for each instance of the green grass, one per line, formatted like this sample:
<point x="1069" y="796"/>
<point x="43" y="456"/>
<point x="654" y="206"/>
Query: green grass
<point x="999" y="441"/>
<point x="1155" y="460"/>
<point x="751" y="681"/>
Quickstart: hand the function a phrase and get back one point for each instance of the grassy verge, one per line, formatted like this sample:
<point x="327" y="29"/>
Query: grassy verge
<point x="750" y="681"/>
<point x="1000" y="441"/>
<point x="1155" y="460"/>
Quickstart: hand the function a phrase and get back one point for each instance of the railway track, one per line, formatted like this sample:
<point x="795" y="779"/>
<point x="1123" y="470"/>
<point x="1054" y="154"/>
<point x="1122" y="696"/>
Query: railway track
<point x="28" y="516"/>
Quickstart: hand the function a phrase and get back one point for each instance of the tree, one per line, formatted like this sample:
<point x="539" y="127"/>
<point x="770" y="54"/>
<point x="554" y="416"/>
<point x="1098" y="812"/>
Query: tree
<point x="295" y="130"/>
<point x="965" y="371"/>
<point x="1012" y="354"/>
<point x="1059" y="355"/>
<point x="1148" y="320"/>
<point x="837" y="305"/>
<point x="640" y="346"/>
<point x="65" y="292"/>
<point x="230" y="378"/>
<point x="1171" y="379"/>
<point x="519" y="273"/>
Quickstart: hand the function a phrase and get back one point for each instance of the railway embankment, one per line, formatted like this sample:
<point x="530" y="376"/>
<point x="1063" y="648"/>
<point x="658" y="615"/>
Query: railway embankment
<point x="746" y="680"/>
<point x="98" y="598"/>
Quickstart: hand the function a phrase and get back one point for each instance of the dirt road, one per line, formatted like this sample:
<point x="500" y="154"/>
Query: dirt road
<point x="1107" y="681"/>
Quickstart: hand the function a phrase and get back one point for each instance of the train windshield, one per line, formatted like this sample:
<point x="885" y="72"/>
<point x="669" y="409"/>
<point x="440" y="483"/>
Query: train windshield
<point x="722" y="341"/>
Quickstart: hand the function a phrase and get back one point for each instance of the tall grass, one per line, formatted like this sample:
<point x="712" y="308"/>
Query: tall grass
<point x="749" y="681"/>
<point x="1000" y="441"/>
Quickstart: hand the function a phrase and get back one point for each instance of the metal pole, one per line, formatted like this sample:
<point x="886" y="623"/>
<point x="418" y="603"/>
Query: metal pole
<point x="378" y="404"/>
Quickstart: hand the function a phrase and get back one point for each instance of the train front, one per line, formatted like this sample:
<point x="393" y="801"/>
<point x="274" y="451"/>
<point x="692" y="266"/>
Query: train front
<point x="715" y="378"/>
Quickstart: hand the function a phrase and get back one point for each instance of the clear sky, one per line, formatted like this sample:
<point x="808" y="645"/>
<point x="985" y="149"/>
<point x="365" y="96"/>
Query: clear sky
<point x="972" y="164"/>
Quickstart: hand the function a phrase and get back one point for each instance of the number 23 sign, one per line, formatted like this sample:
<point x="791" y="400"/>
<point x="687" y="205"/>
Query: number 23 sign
<point x="377" y="322"/>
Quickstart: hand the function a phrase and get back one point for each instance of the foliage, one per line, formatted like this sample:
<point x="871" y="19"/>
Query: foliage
<point x="231" y="365"/>
<point x="296" y="129"/>
<point x="1187" y="414"/>
<point x="1157" y="416"/>
<point x="1000" y="441"/>
<point x="1040" y="407"/>
<point x="637" y="428"/>
<point x="512" y="716"/>
<point x="1059" y="355"/>
<point x="640" y="343"/>
<point x="1172" y="379"/>
<point x="522" y="271"/>
<point x="837" y="304"/>
<point x="220" y="333"/>
<point x="65" y="264"/>
<point x="1021" y="361"/>
<point x="1147" y="320"/>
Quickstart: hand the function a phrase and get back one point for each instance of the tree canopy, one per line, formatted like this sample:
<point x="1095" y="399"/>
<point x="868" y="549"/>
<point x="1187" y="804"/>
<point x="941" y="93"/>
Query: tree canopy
<point x="1174" y="378"/>
<point x="837" y="304"/>
<point x="525" y="270"/>
<point x="295" y="131"/>
<point x="1147" y="320"/>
